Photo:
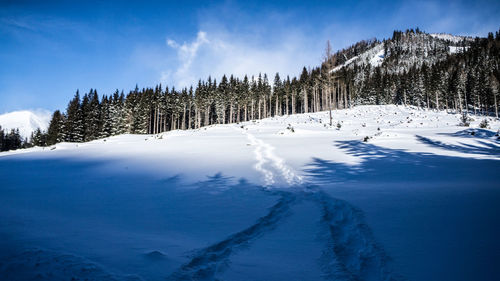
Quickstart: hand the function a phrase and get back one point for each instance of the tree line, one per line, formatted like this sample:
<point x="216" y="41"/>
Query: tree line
<point x="11" y="140"/>
<point x="416" y="70"/>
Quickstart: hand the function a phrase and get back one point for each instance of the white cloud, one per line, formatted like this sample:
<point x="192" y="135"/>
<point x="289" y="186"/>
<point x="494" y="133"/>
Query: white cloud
<point x="218" y="52"/>
<point x="186" y="53"/>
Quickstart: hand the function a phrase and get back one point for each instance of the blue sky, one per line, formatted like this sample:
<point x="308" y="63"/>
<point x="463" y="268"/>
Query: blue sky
<point x="48" y="49"/>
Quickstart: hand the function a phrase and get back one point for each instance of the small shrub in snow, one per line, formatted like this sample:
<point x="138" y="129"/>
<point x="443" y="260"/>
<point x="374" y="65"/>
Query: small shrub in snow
<point x="363" y="125"/>
<point x="464" y="120"/>
<point x="290" y="128"/>
<point x="339" y="125"/>
<point x="378" y="129"/>
<point x="366" y="139"/>
<point x="483" y="124"/>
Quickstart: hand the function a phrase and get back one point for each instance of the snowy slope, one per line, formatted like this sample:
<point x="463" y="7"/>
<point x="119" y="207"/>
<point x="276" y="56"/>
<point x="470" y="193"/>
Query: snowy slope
<point x="284" y="198"/>
<point x="417" y="48"/>
<point x="451" y="38"/>
<point x="26" y="121"/>
<point x="373" y="56"/>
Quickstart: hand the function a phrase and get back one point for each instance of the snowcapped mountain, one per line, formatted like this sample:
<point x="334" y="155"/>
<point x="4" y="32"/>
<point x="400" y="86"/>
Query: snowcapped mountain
<point x="26" y="121"/>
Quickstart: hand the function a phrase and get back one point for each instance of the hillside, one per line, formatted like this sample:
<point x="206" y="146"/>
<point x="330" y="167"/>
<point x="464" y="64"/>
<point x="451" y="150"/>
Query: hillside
<point x="401" y="52"/>
<point x="384" y="192"/>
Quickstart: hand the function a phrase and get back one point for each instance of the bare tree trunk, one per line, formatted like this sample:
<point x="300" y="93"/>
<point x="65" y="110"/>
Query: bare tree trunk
<point x="190" y="117"/>
<point x="165" y="122"/>
<point x="351" y="87"/>
<point x="339" y="95"/>
<point x="479" y="103"/>
<point x="437" y="100"/>
<point x="327" y="96"/>
<point x="286" y="104"/>
<point x="465" y="101"/>
<point x="155" y="125"/>
<point x="305" y="100"/>
<point x="207" y="116"/>
<point x="149" y="124"/>
<point x="260" y="101"/>
<point x="183" y="126"/>
<point x="334" y="98"/>
<point x="231" y="112"/>
<point x="495" y="102"/>
<point x="345" y="95"/>
<point x="252" y="110"/>
<point x="276" y="107"/>
<point x="238" y="110"/>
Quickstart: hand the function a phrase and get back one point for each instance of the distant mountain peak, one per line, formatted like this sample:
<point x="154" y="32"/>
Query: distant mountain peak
<point x="27" y="121"/>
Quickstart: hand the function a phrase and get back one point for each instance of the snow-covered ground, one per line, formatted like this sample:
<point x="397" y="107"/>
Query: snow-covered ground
<point x="451" y="38"/>
<point x="284" y="198"/>
<point x="26" y="121"/>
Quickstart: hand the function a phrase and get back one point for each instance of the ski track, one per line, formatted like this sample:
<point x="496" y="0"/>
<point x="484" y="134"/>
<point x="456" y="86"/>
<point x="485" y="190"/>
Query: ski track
<point x="350" y="251"/>
<point x="264" y="154"/>
<point x="215" y="258"/>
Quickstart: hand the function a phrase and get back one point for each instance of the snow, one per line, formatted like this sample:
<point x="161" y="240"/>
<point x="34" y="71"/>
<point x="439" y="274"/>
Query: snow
<point x="377" y="59"/>
<point x="451" y="38"/>
<point x="454" y="49"/>
<point x="348" y="62"/>
<point x="374" y="57"/>
<point x="258" y="201"/>
<point x="26" y="121"/>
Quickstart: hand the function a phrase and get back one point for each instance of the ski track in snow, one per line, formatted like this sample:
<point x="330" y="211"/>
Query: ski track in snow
<point x="215" y="258"/>
<point x="264" y="154"/>
<point x="350" y="250"/>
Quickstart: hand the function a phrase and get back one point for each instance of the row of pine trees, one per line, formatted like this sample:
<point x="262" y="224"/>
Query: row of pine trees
<point x="465" y="81"/>
<point x="11" y="140"/>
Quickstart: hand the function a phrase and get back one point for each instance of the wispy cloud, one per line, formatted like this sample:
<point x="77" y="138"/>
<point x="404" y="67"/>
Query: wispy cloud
<point x="186" y="53"/>
<point x="217" y="52"/>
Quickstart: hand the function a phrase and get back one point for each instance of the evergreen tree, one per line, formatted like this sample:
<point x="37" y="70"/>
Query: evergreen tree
<point x="74" y="120"/>
<point x="55" y="132"/>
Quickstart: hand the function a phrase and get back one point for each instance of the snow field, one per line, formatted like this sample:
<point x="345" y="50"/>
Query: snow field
<point x="284" y="198"/>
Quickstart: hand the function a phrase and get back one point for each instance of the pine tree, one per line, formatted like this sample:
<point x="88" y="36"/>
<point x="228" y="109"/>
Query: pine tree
<point x="55" y="132"/>
<point x="74" y="121"/>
